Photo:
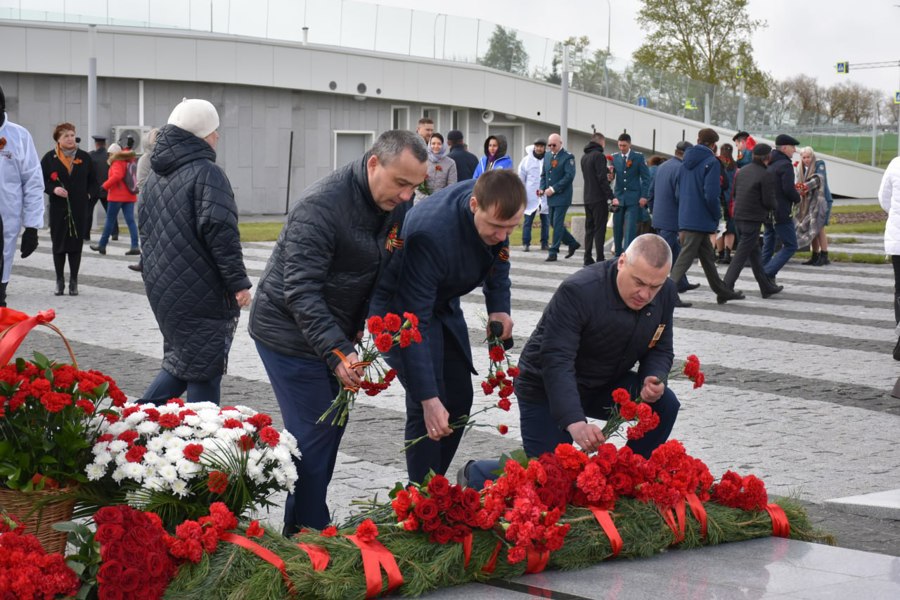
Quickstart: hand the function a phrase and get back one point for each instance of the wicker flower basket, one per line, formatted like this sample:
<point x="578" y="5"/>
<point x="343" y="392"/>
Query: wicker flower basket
<point x="38" y="511"/>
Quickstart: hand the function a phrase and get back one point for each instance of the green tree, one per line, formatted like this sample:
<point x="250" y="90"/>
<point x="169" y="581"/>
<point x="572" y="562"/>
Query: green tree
<point x="706" y="40"/>
<point x="505" y="52"/>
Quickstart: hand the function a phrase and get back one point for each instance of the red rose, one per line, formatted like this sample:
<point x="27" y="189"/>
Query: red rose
<point x="192" y="452"/>
<point x="254" y="530"/>
<point x="439" y="486"/>
<point x="426" y="509"/>
<point x="218" y="482"/>
<point x="375" y="325"/>
<point x="367" y="531"/>
<point x="442" y="535"/>
<point x="269" y="436"/>
<point x="108" y="533"/>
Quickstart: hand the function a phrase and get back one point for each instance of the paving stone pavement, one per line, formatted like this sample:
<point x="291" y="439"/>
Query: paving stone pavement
<point x="798" y="386"/>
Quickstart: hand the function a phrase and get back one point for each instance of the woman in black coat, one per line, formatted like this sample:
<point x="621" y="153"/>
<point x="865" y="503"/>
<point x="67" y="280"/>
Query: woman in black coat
<point x="68" y="179"/>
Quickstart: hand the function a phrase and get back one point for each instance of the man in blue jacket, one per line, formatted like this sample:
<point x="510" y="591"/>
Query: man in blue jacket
<point x="556" y="186"/>
<point x="456" y="241"/>
<point x="787" y="195"/>
<point x="664" y="191"/>
<point x="699" y="211"/>
<point x="600" y="323"/>
<point x="632" y="190"/>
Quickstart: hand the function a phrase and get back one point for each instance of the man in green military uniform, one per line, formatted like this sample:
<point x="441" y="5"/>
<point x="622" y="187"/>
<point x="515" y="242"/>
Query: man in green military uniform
<point x="631" y="191"/>
<point x="556" y="186"/>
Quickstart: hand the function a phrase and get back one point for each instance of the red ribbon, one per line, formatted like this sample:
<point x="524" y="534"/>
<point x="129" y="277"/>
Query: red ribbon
<point x="492" y="561"/>
<point x="467" y="548"/>
<point x="263" y="553"/>
<point x="376" y="557"/>
<point x="698" y="511"/>
<point x="609" y="528"/>
<point x="17" y="326"/>
<point x="780" y="525"/>
<point x="537" y="561"/>
<point x="676" y="520"/>
<point x="318" y="556"/>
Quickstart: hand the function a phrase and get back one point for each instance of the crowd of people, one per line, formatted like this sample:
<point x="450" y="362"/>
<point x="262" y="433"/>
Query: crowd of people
<point x="412" y="226"/>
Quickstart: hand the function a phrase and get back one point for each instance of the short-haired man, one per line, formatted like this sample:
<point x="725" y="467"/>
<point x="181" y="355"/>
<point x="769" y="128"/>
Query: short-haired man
<point x="425" y="129"/>
<point x="556" y="188"/>
<point x="632" y="188"/>
<point x="466" y="162"/>
<point x="744" y="149"/>
<point x="787" y="196"/>
<point x="313" y="296"/>
<point x="664" y="190"/>
<point x="599" y="324"/>
<point x="456" y="241"/>
<point x="21" y="192"/>
<point x="754" y="199"/>
<point x="530" y="168"/>
<point x="597" y="195"/>
<point x="699" y="211"/>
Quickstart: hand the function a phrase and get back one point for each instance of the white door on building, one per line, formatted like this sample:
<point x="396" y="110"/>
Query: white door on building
<point x="350" y="146"/>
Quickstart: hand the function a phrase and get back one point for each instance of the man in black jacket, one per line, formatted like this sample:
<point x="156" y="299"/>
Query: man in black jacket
<point x="754" y="199"/>
<point x="466" y="162"/>
<point x="100" y="156"/>
<point x="599" y="324"/>
<point x="786" y="195"/>
<point x="313" y="297"/>
<point x="597" y="194"/>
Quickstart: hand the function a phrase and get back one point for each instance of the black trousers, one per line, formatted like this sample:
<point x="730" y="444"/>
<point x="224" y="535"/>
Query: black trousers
<point x="595" y="218"/>
<point x="455" y="388"/>
<point x="747" y="250"/>
<point x="895" y="261"/>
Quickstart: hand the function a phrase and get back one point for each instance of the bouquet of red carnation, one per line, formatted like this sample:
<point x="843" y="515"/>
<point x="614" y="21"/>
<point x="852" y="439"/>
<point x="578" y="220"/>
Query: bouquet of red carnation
<point x="29" y="573"/>
<point x="626" y="410"/>
<point x="384" y="333"/>
<point x="447" y="513"/>
<point x="747" y="493"/>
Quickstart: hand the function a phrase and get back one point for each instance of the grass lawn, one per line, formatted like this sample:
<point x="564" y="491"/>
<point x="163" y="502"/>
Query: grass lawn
<point x="856" y="257"/>
<point x="862" y="227"/>
<point x="260" y="232"/>
<point x="857" y="148"/>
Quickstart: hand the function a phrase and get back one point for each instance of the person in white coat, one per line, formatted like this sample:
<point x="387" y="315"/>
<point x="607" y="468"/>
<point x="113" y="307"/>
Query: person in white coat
<point x="889" y="198"/>
<point x="530" y="173"/>
<point x="21" y="192"/>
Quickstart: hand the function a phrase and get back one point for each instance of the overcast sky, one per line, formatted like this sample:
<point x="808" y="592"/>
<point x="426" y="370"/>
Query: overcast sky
<point x="802" y="36"/>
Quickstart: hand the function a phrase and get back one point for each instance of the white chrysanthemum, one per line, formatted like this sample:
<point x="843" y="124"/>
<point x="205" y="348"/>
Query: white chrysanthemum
<point x="229" y="435"/>
<point x="117" y="446"/>
<point x="187" y="469"/>
<point x="232" y="414"/>
<point x="154" y="459"/>
<point x="191" y="420"/>
<point x="155" y="444"/>
<point x="180" y="488"/>
<point x="134" y="418"/>
<point x="255" y="471"/>
<point x="95" y="471"/>
<point x="148" y="428"/>
<point x="135" y="471"/>
<point x="281" y="454"/>
<point x="119" y="474"/>
<point x="176" y="443"/>
<point x="100" y="447"/>
<point x="183" y="431"/>
<point x="245" y="410"/>
<point x="168" y="473"/>
<point x="103" y="458"/>
<point x="116" y="428"/>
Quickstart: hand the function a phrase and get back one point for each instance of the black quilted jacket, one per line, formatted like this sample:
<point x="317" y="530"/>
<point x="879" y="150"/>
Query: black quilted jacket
<point x="191" y="249"/>
<point x="314" y="293"/>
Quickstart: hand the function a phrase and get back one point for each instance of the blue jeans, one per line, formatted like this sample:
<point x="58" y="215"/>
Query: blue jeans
<point x="112" y="214"/>
<point x="545" y="228"/>
<point x="788" y="236"/>
<point x="671" y="238"/>
<point x="561" y="235"/>
<point x="166" y="386"/>
<point x="305" y="389"/>
<point x="540" y="433"/>
<point x="625" y="222"/>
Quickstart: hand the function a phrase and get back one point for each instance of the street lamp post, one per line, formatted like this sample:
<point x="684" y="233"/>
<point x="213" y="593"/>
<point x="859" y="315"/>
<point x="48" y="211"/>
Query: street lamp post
<point x="606" y="58"/>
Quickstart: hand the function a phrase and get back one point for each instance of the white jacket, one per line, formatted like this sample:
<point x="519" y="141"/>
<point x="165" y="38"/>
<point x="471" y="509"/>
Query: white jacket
<point x="21" y="188"/>
<point x="889" y="198"/>
<point x="530" y="174"/>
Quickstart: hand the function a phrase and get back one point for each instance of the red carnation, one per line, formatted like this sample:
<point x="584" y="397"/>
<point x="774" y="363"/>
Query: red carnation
<point x="330" y="531"/>
<point x="375" y="325"/>
<point x="487" y="388"/>
<point x="269" y="436"/>
<point x="496" y="353"/>
<point x="254" y="530"/>
<point x="383" y="342"/>
<point x="367" y="531"/>
<point x="55" y="401"/>
<point x="504" y="404"/>
<point x="412" y="318"/>
<point x="218" y="482"/>
<point x="169" y="421"/>
<point x="192" y="452"/>
<point x="136" y="453"/>
<point x="54" y="176"/>
<point x="246" y="443"/>
<point x="129" y="436"/>
<point x="86" y="406"/>
<point x="503" y="429"/>
<point x="392" y="322"/>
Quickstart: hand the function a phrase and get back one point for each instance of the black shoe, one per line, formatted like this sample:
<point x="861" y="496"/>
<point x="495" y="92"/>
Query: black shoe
<point x="73" y="286"/>
<point x="551" y="258"/>
<point x="720" y="260"/>
<point x="727" y="259"/>
<point x="60" y="287"/>
<point x="572" y="250"/>
<point x="772" y="291"/>
<point x="97" y="248"/>
<point x="731" y="295"/>
<point x="897" y="350"/>
<point x="689" y="287"/>
<point x="545" y="247"/>
<point x="525" y="248"/>
<point x="137" y="252"/>
<point x="812" y="259"/>
<point x="136" y="267"/>
<point x="680" y="304"/>
<point x="823" y="260"/>
<point x="588" y="261"/>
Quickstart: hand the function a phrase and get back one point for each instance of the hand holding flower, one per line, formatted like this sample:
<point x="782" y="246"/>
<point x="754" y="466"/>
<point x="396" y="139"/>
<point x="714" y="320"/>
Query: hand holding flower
<point x="653" y="389"/>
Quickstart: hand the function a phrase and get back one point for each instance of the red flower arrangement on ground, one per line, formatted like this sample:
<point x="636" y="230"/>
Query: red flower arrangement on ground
<point x="384" y="334"/>
<point x="29" y="573"/>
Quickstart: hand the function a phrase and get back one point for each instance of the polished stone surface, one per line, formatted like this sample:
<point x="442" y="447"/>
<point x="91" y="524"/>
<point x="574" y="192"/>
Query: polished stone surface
<point x="883" y="505"/>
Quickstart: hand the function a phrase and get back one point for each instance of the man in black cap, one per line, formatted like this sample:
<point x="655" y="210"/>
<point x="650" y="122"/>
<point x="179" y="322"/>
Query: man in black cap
<point x="99" y="156"/>
<point x="466" y="162"/>
<point x="597" y="194"/>
<point x="742" y="143"/>
<point x="664" y="191"/>
<point x="754" y="199"/>
<point x="786" y="195"/>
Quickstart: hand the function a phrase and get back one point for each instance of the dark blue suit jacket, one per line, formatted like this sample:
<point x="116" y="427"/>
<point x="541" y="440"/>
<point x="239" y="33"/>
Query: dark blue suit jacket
<point x="442" y="259"/>
<point x="632" y="182"/>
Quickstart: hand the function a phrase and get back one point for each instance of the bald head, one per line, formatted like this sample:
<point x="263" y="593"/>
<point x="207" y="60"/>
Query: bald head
<point x="652" y="248"/>
<point x="554" y="143"/>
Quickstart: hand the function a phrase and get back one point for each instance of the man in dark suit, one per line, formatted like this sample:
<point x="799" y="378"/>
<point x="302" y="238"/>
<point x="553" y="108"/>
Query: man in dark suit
<point x="466" y="162"/>
<point x="631" y="192"/>
<point x="599" y="324"/>
<point x="597" y="195"/>
<point x="456" y="241"/>
<point x="556" y="186"/>
<point x="99" y="156"/>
